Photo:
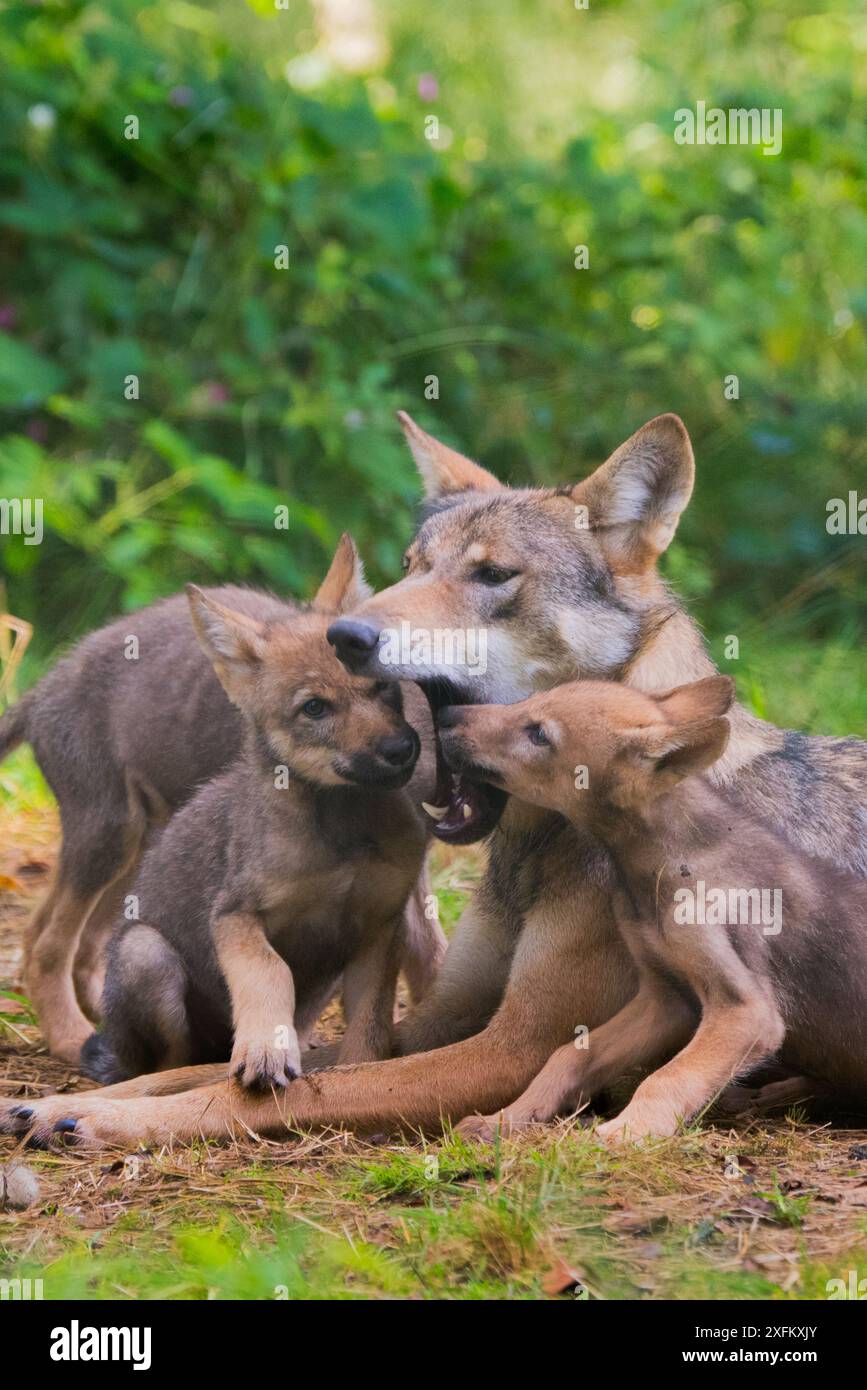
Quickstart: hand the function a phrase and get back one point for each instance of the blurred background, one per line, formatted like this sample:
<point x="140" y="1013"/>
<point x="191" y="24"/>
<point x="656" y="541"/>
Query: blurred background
<point x="408" y="258"/>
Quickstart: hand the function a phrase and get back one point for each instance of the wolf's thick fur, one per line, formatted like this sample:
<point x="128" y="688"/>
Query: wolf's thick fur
<point x="124" y="736"/>
<point x="536" y="953"/>
<point x="284" y="875"/>
<point x="716" y="996"/>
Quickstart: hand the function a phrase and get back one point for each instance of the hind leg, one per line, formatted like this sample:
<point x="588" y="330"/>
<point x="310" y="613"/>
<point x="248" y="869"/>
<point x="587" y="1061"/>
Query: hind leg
<point x="100" y="842"/>
<point x="38" y="922"/>
<point x="48" y="972"/>
<point x="146" y="1026"/>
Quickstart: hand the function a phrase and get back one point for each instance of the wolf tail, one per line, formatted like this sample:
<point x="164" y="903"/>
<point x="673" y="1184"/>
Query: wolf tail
<point x="14" y="726"/>
<point x="98" y="1061"/>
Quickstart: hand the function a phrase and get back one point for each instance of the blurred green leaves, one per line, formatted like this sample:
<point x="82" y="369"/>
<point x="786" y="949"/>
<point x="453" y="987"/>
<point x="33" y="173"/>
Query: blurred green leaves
<point x="262" y="387"/>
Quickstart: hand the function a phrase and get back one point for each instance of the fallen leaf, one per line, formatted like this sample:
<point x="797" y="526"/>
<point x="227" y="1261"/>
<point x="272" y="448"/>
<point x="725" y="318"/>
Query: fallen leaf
<point x="562" y="1278"/>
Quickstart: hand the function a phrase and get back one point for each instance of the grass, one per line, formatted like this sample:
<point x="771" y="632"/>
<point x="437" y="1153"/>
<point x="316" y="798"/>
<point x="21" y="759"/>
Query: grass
<point x="328" y="1217"/>
<point x="774" y="1210"/>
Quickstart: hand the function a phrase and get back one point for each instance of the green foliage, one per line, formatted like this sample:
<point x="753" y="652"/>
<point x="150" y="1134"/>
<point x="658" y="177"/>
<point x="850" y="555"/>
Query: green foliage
<point x="262" y="387"/>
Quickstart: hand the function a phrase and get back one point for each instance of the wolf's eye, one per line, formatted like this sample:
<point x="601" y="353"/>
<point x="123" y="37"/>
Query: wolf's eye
<point x="382" y="687"/>
<point x="493" y="574"/>
<point x="315" y="708"/>
<point x="536" y="734"/>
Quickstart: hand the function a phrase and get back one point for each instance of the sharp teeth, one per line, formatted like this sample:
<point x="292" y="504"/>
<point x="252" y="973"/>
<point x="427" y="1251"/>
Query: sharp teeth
<point x="435" y="812"/>
<point x="468" y="811"/>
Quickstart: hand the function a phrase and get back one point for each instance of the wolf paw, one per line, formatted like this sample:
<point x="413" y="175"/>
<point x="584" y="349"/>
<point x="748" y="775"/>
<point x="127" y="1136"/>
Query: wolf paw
<point x="482" y="1128"/>
<point x="261" y="1066"/>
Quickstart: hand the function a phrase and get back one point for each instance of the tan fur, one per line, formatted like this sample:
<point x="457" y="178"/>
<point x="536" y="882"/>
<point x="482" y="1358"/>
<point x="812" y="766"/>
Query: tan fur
<point x="635" y="752"/>
<point x="56" y="929"/>
<point x="64" y="976"/>
<point x="263" y="1000"/>
<point x="537" y="952"/>
<point x="63" y="926"/>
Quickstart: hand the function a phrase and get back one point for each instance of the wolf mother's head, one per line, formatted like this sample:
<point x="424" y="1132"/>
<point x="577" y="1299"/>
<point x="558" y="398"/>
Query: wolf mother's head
<point x="551" y="584"/>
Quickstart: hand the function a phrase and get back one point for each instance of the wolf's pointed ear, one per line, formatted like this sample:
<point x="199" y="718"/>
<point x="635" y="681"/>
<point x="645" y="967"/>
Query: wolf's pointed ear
<point x="634" y="500"/>
<point x="691" y="733"/>
<point x="233" y="642"/>
<point x="699" y="700"/>
<point x="685" y="749"/>
<point x="442" y="469"/>
<point x="344" y="586"/>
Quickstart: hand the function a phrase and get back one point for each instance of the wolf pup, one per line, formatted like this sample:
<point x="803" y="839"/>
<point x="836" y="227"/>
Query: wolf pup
<point x="742" y="945"/>
<point x="566" y="585"/>
<point x="283" y="876"/>
<point x="148" y="723"/>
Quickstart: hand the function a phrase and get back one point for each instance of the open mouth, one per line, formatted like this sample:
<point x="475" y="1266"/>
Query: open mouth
<point x="464" y="808"/>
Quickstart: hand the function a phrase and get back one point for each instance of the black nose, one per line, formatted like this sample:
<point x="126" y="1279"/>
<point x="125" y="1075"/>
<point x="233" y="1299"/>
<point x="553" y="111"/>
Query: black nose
<point x="399" y="749"/>
<point x="351" y="637"/>
<point x="449" y="716"/>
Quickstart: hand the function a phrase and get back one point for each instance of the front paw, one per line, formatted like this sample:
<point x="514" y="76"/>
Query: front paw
<point x="14" y="1115"/>
<point x="481" y="1128"/>
<point x="263" y="1065"/>
<point x="629" y="1128"/>
<point x="36" y="1118"/>
<point x="486" y="1128"/>
<point x="67" y="1124"/>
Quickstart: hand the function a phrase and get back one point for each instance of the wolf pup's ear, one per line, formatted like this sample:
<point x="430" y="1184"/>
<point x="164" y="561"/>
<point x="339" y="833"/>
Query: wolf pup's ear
<point x="442" y="469"/>
<point x="687" y="749"/>
<point x="634" y="500"/>
<point x="692" y="733"/>
<point x="704" y="699"/>
<point x="233" y="642"/>
<point x="344" y="586"/>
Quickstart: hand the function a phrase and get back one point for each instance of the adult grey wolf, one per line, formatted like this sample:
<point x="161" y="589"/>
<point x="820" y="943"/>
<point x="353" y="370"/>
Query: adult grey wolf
<point x="565" y="582"/>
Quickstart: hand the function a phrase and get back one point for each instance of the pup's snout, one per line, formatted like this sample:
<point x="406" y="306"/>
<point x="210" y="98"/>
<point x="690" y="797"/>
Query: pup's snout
<point x="353" y="640"/>
<point x="399" y="749"/>
<point x="450" y="716"/>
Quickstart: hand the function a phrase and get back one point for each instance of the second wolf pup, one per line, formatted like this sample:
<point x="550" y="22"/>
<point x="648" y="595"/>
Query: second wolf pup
<point x="284" y="876"/>
<point x="721" y="986"/>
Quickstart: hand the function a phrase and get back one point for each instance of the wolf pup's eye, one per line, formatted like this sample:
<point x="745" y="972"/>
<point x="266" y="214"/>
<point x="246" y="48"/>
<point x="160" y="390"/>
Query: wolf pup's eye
<point x="315" y="708"/>
<point x="536" y="734"/>
<point x="494" y="574"/>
